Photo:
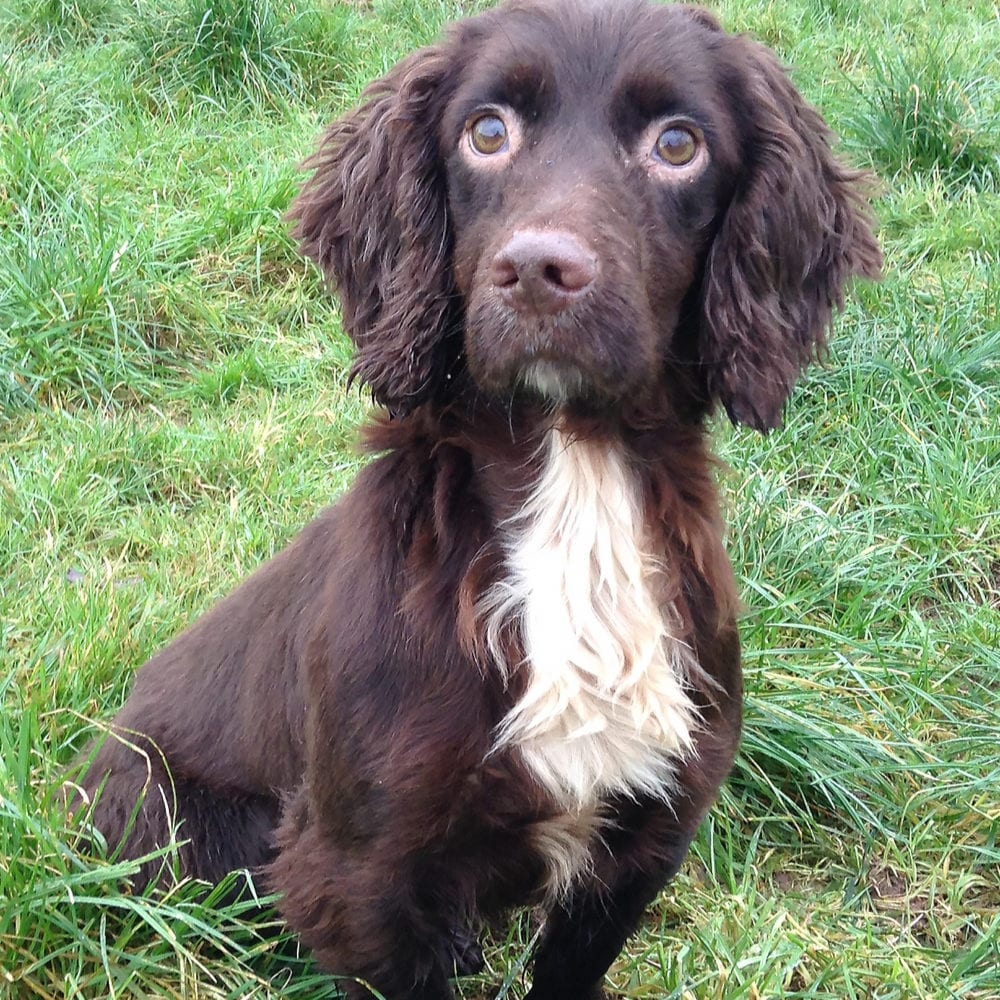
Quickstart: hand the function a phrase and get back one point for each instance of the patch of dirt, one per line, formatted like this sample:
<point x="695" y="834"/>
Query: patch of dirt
<point x="783" y="881"/>
<point x="891" y="894"/>
<point x="886" y="884"/>
<point x="796" y="981"/>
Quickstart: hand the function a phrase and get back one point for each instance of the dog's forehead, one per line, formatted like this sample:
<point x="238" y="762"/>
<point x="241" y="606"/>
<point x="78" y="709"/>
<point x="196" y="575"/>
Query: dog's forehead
<point x="588" y="51"/>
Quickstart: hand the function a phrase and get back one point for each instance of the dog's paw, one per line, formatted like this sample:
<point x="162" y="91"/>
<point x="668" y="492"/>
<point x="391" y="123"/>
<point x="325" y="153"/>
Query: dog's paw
<point x="466" y="953"/>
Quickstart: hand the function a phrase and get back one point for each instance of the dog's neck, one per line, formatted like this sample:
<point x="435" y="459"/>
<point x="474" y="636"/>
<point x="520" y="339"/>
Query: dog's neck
<point x="604" y="709"/>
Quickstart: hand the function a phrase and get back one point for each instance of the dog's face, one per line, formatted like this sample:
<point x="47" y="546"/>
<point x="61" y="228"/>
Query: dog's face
<point x="586" y="201"/>
<point x="587" y="165"/>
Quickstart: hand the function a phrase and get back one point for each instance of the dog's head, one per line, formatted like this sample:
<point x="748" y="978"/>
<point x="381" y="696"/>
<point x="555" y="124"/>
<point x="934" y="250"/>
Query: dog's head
<point x="574" y="200"/>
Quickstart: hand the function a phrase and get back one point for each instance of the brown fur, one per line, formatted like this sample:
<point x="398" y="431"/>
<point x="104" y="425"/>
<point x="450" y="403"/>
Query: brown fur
<point x="331" y="724"/>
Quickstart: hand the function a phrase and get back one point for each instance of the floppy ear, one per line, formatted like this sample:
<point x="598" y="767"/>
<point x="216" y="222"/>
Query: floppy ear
<point x="796" y="230"/>
<point x="373" y="216"/>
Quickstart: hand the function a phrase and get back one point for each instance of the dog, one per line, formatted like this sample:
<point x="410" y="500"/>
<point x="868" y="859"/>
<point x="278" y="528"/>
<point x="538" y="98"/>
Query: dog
<point x="504" y="668"/>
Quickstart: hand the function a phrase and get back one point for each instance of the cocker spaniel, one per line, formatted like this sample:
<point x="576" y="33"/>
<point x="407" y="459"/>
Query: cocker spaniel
<point x="504" y="667"/>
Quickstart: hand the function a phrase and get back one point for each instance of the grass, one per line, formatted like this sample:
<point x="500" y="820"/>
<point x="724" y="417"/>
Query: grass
<point x="172" y="381"/>
<point x="929" y="107"/>
<point x="230" y="48"/>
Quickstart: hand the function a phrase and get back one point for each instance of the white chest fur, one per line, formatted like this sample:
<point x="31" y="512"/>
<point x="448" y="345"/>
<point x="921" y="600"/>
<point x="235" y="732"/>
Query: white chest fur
<point x="605" y="708"/>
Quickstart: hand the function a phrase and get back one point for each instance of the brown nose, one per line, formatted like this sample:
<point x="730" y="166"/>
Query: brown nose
<point x="543" y="271"/>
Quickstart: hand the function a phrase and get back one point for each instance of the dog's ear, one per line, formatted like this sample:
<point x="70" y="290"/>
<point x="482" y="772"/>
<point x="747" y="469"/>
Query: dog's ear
<point x="373" y="215"/>
<point x="796" y="230"/>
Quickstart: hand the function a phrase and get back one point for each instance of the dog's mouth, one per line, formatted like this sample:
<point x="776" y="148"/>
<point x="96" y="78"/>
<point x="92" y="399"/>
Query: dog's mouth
<point x="561" y="360"/>
<point x="549" y="360"/>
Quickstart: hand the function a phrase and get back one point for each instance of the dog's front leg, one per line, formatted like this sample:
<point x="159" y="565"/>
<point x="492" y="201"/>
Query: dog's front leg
<point x="361" y="910"/>
<point x="585" y="933"/>
<point x="642" y="849"/>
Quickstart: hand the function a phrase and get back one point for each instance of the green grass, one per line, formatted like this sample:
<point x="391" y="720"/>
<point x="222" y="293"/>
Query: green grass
<point x="172" y="386"/>
<point x="263" y="52"/>
<point x="931" y="107"/>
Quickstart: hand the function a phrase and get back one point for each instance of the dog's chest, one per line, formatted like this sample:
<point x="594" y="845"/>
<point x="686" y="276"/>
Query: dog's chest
<point x="604" y="710"/>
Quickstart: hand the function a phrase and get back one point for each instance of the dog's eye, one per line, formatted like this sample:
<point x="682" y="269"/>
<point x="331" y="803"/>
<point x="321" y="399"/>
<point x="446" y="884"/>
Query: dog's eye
<point x="676" y="146"/>
<point x="488" y="135"/>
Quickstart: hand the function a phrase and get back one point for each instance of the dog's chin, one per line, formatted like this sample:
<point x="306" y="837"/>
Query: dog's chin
<point x="568" y="361"/>
<point x="556" y="382"/>
<point x="555" y="385"/>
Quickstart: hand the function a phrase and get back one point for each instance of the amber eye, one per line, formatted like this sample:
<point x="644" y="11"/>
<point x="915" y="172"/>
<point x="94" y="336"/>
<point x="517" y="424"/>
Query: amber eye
<point x="676" y="146"/>
<point x="488" y="135"/>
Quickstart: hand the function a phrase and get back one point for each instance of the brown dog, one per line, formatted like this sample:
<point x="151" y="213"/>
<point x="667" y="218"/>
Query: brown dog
<point x="504" y="668"/>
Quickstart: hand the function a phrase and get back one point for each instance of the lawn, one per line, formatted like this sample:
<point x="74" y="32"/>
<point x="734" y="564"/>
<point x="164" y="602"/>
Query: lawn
<point x="174" y="407"/>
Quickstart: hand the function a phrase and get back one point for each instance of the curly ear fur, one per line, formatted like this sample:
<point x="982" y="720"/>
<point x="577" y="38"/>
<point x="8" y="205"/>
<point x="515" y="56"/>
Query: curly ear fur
<point x="796" y="230"/>
<point x="373" y="216"/>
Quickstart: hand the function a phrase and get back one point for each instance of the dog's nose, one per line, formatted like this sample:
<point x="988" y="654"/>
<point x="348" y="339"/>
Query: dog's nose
<point x="543" y="271"/>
